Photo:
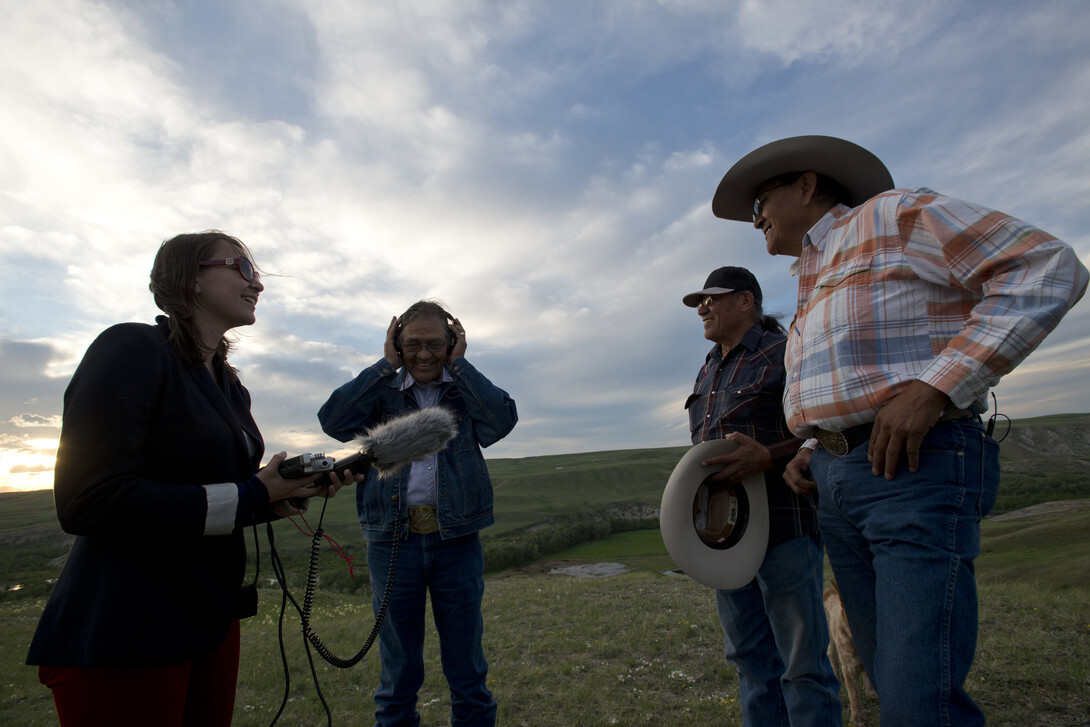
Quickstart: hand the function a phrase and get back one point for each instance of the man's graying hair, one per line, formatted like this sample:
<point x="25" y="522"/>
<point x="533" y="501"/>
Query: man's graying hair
<point x="768" y="322"/>
<point x="425" y="310"/>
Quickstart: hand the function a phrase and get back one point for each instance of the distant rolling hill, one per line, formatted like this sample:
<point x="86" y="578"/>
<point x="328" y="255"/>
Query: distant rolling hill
<point x="547" y="503"/>
<point x="1044" y="459"/>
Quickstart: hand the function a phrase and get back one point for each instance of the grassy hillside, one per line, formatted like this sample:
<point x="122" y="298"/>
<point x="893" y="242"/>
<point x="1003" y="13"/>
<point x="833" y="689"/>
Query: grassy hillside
<point x="532" y="489"/>
<point x="1044" y="459"/>
<point x="1044" y="545"/>
<point x="640" y="648"/>
<point x="26" y="511"/>
<point x="545" y="504"/>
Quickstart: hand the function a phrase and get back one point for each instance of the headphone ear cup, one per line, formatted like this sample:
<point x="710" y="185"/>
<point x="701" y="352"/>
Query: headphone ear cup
<point x="452" y="338"/>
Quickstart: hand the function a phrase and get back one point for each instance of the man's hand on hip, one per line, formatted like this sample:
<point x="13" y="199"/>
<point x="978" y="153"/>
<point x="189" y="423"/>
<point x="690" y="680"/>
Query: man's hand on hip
<point x="901" y="425"/>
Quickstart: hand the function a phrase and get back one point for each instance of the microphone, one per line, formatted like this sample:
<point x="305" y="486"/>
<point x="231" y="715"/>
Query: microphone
<point x="388" y="446"/>
<point x="396" y="442"/>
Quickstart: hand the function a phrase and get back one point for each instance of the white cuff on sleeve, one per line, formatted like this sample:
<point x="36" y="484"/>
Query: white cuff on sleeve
<point x="222" y="507"/>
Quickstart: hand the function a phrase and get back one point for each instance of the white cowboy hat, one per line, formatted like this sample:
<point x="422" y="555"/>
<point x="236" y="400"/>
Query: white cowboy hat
<point x="716" y="534"/>
<point x="860" y="174"/>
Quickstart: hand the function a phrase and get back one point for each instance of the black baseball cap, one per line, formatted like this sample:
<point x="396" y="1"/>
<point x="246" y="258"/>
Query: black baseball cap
<point x="725" y="280"/>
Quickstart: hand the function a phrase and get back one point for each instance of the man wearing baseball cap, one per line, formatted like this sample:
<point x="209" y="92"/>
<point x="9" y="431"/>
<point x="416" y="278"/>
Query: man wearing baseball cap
<point x="774" y="628"/>
<point x="911" y="305"/>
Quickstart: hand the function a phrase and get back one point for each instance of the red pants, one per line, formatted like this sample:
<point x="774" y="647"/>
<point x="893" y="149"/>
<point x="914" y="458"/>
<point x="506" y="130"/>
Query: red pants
<point x="197" y="693"/>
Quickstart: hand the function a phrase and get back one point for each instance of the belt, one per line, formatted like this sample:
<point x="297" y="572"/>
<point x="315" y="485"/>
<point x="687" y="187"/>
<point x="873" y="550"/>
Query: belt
<point x="423" y="519"/>
<point x="839" y="444"/>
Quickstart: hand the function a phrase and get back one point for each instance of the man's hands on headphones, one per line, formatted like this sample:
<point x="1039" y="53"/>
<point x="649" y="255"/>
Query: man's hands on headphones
<point x="459" y="349"/>
<point x="390" y="348"/>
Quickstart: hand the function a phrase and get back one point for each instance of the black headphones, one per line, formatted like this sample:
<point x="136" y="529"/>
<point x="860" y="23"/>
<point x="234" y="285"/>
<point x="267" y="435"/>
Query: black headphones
<point x="449" y="320"/>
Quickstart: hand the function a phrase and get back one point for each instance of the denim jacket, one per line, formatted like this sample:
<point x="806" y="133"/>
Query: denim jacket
<point x="485" y="415"/>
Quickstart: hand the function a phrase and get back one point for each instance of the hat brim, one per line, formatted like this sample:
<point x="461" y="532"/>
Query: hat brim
<point x="727" y="568"/>
<point x="693" y="299"/>
<point x="861" y="174"/>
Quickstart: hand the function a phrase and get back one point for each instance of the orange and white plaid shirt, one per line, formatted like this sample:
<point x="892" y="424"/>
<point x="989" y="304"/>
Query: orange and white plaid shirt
<point x="914" y="285"/>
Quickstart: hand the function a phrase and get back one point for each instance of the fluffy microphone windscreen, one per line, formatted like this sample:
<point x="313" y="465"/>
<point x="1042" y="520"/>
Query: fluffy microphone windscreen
<point x="403" y="439"/>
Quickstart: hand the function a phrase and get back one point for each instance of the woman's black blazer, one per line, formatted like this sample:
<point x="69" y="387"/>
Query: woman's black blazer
<point x="142" y="431"/>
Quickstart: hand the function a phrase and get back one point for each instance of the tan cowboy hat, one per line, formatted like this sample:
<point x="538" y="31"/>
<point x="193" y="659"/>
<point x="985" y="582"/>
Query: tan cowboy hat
<point x="716" y="533"/>
<point x="861" y="174"/>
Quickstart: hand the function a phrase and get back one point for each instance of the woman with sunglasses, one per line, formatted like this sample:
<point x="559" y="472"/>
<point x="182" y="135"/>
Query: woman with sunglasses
<point x="158" y="477"/>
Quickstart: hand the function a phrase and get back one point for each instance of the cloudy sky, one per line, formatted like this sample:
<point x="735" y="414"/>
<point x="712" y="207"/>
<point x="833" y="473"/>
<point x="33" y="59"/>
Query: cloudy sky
<point x="543" y="168"/>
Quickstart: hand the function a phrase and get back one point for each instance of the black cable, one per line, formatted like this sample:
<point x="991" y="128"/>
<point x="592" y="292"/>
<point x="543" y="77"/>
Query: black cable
<point x="304" y="611"/>
<point x="992" y="418"/>
<point x="278" y="571"/>
<point x="281" y="576"/>
<point x="380" y="615"/>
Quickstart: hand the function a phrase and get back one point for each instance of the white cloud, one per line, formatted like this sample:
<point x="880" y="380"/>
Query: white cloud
<point x="35" y="420"/>
<point x="545" y="169"/>
<point x="852" y="30"/>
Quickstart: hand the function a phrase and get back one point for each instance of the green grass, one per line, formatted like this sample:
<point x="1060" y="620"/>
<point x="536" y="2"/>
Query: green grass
<point x="635" y="649"/>
<point x="642" y="647"/>
<point x="531" y="489"/>
<point x="634" y="544"/>
<point x="639" y="648"/>
<point x="27" y="511"/>
<point x="1040" y="549"/>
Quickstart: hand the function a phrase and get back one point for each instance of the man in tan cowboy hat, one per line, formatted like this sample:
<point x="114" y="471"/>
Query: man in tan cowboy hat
<point x="911" y="306"/>
<point x="774" y="629"/>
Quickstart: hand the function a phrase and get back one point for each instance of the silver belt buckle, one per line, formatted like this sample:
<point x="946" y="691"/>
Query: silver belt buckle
<point x="423" y="519"/>
<point x="835" y="443"/>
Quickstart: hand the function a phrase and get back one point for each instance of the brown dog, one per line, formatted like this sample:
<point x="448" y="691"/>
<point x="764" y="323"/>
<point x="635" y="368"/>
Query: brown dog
<point x="842" y="653"/>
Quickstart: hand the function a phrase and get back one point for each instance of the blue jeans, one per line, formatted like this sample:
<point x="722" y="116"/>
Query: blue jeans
<point x="902" y="552"/>
<point x="452" y="571"/>
<point x="775" y="634"/>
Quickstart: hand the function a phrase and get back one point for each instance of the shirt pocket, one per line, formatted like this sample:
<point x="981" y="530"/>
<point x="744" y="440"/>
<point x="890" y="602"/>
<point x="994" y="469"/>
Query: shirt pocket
<point x="696" y="405"/>
<point x="844" y="292"/>
<point x="742" y="402"/>
<point x="735" y="407"/>
<point x="854" y="271"/>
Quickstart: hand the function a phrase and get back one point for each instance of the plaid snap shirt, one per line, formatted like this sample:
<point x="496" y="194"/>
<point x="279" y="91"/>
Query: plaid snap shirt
<point x="742" y="392"/>
<point x="914" y="285"/>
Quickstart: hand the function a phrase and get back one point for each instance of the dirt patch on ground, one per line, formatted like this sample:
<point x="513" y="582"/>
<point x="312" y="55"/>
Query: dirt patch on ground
<point x="591" y="570"/>
<point x="569" y="567"/>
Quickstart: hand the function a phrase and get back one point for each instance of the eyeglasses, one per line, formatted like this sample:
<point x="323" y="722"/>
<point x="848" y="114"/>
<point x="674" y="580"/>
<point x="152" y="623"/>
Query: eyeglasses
<point x="245" y="267"/>
<point x="759" y="201"/>
<point x="436" y="345"/>
<point x="707" y="300"/>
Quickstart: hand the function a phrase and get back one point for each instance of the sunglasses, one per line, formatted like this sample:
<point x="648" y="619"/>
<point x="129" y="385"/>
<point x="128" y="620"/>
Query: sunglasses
<point x="245" y="267"/>
<point x="707" y="300"/>
<point x="436" y="345"/>
<point x="759" y="201"/>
